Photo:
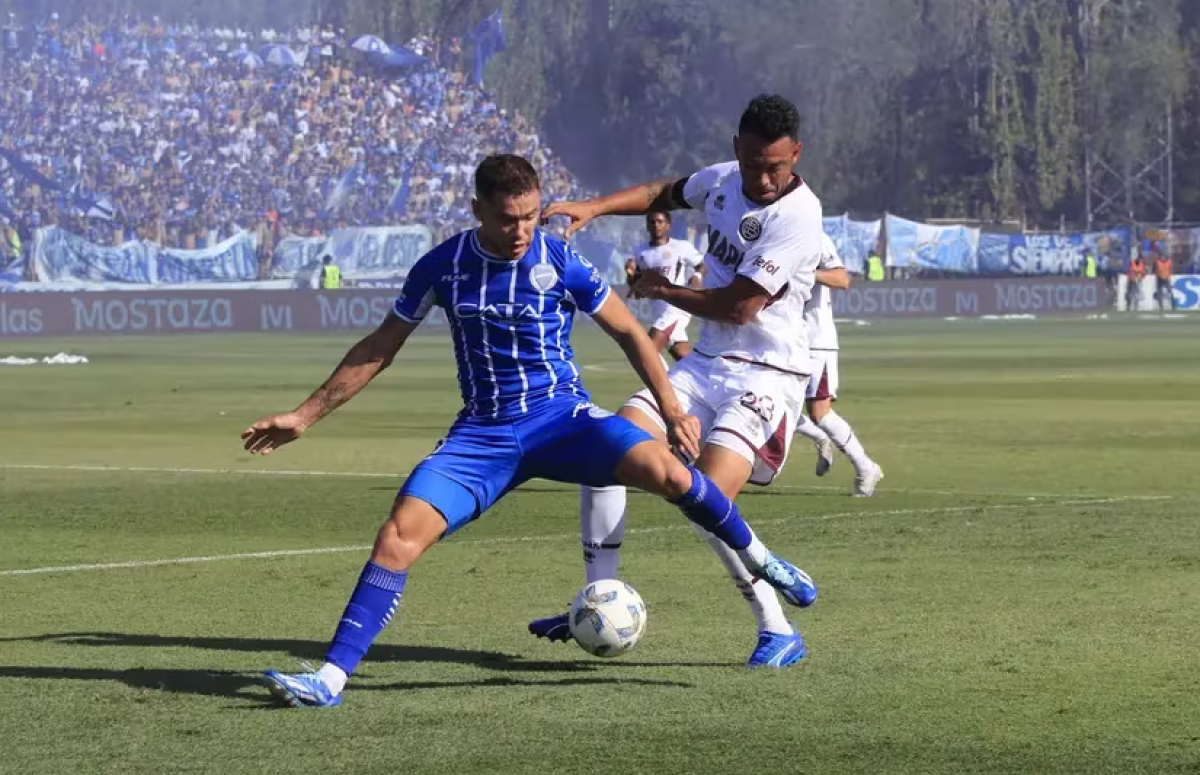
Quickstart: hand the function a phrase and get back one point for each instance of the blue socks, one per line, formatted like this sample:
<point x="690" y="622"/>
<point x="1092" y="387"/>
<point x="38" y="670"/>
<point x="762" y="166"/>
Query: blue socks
<point x="371" y="607"/>
<point x="705" y="505"/>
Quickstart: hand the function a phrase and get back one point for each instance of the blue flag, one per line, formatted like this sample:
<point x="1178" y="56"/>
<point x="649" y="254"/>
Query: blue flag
<point x="399" y="201"/>
<point x="489" y="41"/>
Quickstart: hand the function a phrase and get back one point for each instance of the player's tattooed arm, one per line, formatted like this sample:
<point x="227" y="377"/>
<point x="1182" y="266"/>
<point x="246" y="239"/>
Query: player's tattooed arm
<point x="365" y="360"/>
<point x="656" y="196"/>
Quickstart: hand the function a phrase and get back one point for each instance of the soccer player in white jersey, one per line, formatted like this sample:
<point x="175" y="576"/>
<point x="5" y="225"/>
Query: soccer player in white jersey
<point x="679" y="262"/>
<point x="745" y="379"/>
<point x="823" y="426"/>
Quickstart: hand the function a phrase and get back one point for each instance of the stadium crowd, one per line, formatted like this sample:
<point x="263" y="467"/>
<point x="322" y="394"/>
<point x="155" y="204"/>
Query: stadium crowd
<point x="184" y="135"/>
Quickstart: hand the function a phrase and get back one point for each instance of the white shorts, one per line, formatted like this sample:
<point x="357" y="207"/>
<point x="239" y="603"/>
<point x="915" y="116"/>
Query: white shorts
<point x="824" y="380"/>
<point x="672" y="321"/>
<point x="748" y="409"/>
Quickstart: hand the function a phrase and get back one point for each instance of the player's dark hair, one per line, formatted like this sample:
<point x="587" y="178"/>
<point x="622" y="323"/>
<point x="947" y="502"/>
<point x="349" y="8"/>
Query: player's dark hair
<point x="664" y="213"/>
<point x="505" y="174"/>
<point x="770" y="117"/>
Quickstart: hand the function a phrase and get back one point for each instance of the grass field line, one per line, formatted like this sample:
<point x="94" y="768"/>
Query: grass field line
<point x="400" y="475"/>
<point x="571" y="536"/>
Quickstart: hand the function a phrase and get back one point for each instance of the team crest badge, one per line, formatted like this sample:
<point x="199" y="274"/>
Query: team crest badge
<point x="750" y="229"/>
<point x="543" y="277"/>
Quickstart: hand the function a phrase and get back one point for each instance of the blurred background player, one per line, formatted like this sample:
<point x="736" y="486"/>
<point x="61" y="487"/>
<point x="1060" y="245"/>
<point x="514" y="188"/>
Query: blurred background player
<point x="745" y="378"/>
<point x="680" y="263"/>
<point x="825" y="427"/>
<point x="510" y="292"/>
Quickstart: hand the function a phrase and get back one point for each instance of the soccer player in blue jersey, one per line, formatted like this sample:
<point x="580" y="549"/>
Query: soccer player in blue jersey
<point x="510" y="292"/>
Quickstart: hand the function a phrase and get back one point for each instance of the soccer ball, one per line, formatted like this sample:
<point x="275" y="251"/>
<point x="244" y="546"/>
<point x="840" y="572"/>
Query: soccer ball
<point x="608" y="618"/>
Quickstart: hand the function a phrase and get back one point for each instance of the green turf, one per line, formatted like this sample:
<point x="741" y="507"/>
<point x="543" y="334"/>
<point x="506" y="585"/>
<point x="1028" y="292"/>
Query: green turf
<point x="1011" y="601"/>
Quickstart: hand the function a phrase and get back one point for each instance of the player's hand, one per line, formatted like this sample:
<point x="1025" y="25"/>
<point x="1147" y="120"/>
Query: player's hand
<point x="683" y="433"/>
<point x="580" y="213"/>
<point x="649" y="285"/>
<point x="271" y="433"/>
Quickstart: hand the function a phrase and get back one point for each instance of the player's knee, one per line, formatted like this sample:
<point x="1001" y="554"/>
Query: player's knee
<point x="408" y="534"/>
<point x="654" y="469"/>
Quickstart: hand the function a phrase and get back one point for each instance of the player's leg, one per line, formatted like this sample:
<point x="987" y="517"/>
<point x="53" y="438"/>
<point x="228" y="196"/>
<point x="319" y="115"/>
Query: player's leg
<point x="445" y="492"/>
<point x="806" y="425"/>
<point x="779" y="644"/>
<point x="867" y="472"/>
<point x="597" y="449"/>
<point x="601" y="532"/>
<point x="680" y="347"/>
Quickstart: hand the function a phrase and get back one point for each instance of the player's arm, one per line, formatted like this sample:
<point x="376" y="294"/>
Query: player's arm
<point x="736" y="303"/>
<point x="631" y="270"/>
<point x="837" y="278"/>
<point x="594" y="297"/>
<point x="763" y="275"/>
<point x="364" y="361"/>
<point x="615" y="319"/>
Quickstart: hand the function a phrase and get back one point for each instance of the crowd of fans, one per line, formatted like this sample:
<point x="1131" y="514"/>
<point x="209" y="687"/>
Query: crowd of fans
<point x="189" y="137"/>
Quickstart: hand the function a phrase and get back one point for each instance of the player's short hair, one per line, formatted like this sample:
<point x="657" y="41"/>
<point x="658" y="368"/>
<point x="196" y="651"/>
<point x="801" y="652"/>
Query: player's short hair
<point x="664" y="213"/>
<point x="770" y="117"/>
<point x="505" y="174"/>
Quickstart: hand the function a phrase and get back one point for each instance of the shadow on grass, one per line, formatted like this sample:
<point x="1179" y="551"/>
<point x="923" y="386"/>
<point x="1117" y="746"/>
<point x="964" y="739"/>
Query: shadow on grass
<point x="246" y="686"/>
<point x="314" y="651"/>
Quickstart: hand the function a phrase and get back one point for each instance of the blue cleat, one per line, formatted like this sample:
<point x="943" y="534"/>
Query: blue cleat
<point x="795" y="585"/>
<point x="301" y="690"/>
<point x="553" y="628"/>
<point x="774" y="650"/>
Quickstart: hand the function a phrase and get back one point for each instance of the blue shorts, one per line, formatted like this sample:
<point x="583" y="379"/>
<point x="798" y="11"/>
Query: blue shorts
<point x="565" y="440"/>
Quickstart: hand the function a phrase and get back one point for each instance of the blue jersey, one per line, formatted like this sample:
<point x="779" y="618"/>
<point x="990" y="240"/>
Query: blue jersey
<point x="511" y="320"/>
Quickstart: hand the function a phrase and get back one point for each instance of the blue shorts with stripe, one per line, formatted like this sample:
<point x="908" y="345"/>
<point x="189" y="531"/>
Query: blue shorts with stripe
<point x="563" y="440"/>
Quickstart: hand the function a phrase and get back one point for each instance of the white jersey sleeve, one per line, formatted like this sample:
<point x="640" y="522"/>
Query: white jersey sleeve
<point x="787" y="241"/>
<point x="700" y="184"/>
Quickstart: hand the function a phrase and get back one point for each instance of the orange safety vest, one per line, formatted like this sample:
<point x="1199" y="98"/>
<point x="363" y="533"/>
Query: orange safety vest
<point x="1162" y="268"/>
<point x="1137" y="270"/>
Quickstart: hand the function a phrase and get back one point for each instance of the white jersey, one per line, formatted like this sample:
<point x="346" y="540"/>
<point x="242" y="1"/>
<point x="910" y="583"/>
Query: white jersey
<point x="677" y="260"/>
<point x="778" y="246"/>
<point x="818" y="313"/>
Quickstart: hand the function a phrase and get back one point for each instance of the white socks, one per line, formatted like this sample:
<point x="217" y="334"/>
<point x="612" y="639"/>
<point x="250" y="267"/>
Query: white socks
<point x="334" y="677"/>
<point x="601" y="530"/>
<point x="844" y="439"/>
<point x="810" y="430"/>
<point x="760" y="595"/>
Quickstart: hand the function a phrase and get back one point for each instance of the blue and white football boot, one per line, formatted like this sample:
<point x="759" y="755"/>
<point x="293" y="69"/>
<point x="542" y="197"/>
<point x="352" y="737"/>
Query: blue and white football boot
<point x="774" y="650"/>
<point x="796" y="586"/>
<point x="301" y="690"/>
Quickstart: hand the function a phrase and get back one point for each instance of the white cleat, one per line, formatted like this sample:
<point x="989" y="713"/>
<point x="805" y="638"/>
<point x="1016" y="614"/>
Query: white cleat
<point x="866" y="481"/>
<point x="824" y="456"/>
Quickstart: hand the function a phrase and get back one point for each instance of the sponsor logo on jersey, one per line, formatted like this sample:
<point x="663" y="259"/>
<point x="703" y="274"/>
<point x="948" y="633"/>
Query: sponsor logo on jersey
<point x="722" y="249"/>
<point x="543" y="276"/>
<point x="455" y="278"/>
<point x="500" y="311"/>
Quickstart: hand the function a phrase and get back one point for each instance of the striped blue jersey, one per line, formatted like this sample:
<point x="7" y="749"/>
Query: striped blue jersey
<point x="511" y="320"/>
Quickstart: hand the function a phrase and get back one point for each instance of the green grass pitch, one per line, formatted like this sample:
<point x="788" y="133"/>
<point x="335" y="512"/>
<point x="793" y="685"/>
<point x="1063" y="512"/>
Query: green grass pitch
<point x="1023" y="594"/>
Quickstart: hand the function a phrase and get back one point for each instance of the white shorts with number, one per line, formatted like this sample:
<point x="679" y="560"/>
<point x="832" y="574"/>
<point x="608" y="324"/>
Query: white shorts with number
<point x="748" y="409"/>
<point x="672" y="321"/>
<point x="824" y="380"/>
